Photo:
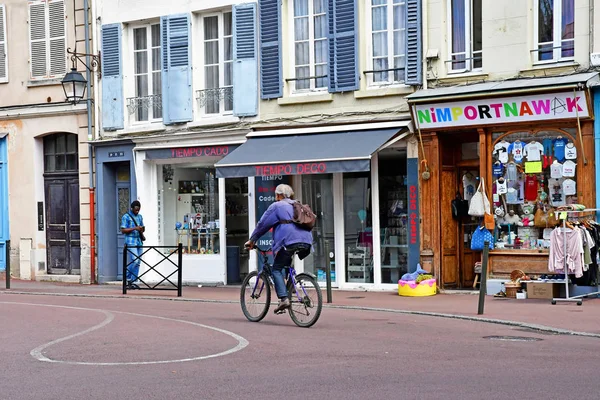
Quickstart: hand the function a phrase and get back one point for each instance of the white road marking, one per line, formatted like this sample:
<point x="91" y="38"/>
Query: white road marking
<point x="37" y="352"/>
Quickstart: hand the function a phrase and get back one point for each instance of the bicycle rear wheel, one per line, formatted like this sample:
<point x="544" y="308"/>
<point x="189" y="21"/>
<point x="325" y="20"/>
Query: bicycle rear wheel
<point x="306" y="300"/>
<point x="255" y="296"/>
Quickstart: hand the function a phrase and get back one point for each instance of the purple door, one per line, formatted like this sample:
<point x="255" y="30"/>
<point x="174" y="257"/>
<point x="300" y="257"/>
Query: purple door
<point x="62" y="225"/>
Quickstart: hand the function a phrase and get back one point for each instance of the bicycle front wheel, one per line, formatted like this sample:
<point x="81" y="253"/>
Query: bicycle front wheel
<point x="306" y="301"/>
<point x="255" y="296"/>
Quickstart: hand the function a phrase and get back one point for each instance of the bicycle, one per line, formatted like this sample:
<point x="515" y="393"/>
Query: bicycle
<point x="303" y="291"/>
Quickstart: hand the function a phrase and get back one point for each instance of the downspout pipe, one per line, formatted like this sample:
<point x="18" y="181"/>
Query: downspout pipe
<point x="86" y="22"/>
<point x="596" y="96"/>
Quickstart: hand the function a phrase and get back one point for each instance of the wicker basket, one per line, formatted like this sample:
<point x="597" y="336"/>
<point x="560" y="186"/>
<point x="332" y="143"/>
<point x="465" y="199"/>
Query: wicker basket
<point x="511" y="289"/>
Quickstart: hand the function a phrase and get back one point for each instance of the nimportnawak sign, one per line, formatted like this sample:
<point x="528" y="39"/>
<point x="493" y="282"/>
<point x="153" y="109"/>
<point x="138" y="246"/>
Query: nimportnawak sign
<point x="502" y="110"/>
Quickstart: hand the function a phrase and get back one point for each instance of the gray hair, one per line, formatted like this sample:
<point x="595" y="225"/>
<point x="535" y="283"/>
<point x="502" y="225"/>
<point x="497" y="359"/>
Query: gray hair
<point x="285" y="190"/>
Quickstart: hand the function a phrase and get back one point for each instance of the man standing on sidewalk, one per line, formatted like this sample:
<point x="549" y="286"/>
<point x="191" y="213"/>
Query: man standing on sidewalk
<point x="132" y="226"/>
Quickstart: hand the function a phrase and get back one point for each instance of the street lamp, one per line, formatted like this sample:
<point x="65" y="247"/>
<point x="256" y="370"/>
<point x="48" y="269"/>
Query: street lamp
<point x="74" y="83"/>
<point x="74" y="86"/>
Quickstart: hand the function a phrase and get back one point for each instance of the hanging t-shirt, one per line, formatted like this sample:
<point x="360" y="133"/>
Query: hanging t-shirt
<point x="568" y="168"/>
<point x="516" y="149"/>
<point x="501" y="187"/>
<point x="531" y="188"/>
<point x="511" y="172"/>
<point x="556" y="170"/>
<point x="570" y="151"/>
<point x="559" y="148"/>
<point x="534" y="151"/>
<point x="501" y="151"/>
<point x="569" y="187"/>
<point x="497" y="170"/>
<point x="557" y="197"/>
<point x="547" y="143"/>
<point x="512" y="196"/>
<point x="469" y="185"/>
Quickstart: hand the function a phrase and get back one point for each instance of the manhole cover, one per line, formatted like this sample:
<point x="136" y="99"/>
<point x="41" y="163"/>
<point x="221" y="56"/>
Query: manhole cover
<point x="356" y="297"/>
<point x="513" y="338"/>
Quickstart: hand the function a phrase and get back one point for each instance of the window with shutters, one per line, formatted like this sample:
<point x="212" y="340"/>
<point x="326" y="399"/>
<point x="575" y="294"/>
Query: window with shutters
<point x="3" y="46"/>
<point x="465" y="36"/>
<point x="310" y="49"/>
<point x="47" y="39"/>
<point x="554" y="29"/>
<point x="217" y="52"/>
<point x="388" y="42"/>
<point x="147" y="103"/>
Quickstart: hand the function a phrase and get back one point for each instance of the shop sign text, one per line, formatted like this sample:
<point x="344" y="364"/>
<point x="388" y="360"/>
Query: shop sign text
<point x="291" y="169"/>
<point x="185" y="152"/>
<point x="503" y="110"/>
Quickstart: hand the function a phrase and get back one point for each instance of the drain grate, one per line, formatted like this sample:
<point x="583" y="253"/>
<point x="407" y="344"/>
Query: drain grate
<point x="356" y="297"/>
<point x="514" y="338"/>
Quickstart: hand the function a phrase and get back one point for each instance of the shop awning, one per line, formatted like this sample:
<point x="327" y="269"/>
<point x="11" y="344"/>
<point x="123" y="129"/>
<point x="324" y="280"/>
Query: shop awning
<point x="321" y="153"/>
<point x="500" y="88"/>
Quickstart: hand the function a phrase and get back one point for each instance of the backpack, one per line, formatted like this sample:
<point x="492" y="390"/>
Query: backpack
<point x="304" y="217"/>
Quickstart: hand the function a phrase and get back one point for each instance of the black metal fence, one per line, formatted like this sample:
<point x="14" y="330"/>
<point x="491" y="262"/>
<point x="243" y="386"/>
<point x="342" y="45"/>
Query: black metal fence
<point x="131" y="257"/>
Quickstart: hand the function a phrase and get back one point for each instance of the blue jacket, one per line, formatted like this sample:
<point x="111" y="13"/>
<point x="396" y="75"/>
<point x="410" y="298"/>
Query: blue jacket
<point x="283" y="234"/>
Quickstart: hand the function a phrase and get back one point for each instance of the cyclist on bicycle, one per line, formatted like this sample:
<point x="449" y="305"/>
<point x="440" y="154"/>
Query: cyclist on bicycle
<point x="288" y="238"/>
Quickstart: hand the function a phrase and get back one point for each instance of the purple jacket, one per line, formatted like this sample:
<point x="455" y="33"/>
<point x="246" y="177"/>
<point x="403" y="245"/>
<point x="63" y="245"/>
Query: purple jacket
<point x="283" y="234"/>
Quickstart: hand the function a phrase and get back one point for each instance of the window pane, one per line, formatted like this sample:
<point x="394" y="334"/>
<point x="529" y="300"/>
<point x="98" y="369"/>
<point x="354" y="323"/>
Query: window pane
<point x="568" y="48"/>
<point x="228" y="46"/>
<point x="141" y="62"/>
<point x="71" y="143"/>
<point x="156" y="59"/>
<point x="155" y="35"/>
<point x="61" y="144"/>
<point x="399" y="43"/>
<point x="380" y="48"/>
<point x="321" y="51"/>
<point x="301" y="29"/>
<point x="157" y="89"/>
<point x="212" y="77"/>
<point x="545" y="52"/>
<point x="320" y="6"/>
<point x="139" y="39"/>
<point x="227" y="24"/>
<point x="399" y="62"/>
<point x="568" y="28"/>
<point x="380" y="64"/>
<point x="300" y="8"/>
<point x="302" y="72"/>
<point x="545" y="21"/>
<point x="49" y="163"/>
<point x="141" y="85"/>
<point x="400" y="17"/>
<point x="379" y="18"/>
<point x="61" y="163"/>
<point x="211" y="28"/>
<point x="378" y="2"/>
<point x="211" y="53"/>
<point x="228" y="79"/>
<point x="477" y="38"/>
<point x="72" y="162"/>
<point x="321" y="70"/>
<point x="320" y="26"/>
<point x="302" y="53"/>
<point x="458" y="26"/>
<point x="49" y="145"/>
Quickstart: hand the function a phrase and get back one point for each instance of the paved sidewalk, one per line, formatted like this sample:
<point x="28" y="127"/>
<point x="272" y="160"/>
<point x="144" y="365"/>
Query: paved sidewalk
<point x="563" y="316"/>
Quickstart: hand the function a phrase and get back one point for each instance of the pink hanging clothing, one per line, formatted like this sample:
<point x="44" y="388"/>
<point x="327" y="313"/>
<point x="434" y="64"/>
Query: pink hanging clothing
<point x="574" y="255"/>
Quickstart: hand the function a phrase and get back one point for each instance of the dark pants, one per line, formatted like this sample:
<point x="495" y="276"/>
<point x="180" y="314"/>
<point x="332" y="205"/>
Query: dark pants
<point x="283" y="259"/>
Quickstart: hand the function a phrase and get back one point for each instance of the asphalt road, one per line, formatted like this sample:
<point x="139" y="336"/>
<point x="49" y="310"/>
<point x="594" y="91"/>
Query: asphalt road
<point x="85" y="348"/>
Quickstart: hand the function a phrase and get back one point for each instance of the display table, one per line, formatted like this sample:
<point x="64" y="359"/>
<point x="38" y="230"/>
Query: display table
<point x="503" y="262"/>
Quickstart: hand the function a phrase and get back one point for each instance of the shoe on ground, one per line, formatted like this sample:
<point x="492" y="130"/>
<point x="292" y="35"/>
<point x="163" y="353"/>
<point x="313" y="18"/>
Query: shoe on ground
<point x="283" y="304"/>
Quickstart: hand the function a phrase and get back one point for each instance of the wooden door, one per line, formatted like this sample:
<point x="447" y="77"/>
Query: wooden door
<point x="63" y="238"/>
<point x="449" y="229"/>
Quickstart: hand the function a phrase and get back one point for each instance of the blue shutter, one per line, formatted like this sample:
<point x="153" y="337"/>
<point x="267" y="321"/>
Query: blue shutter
<point x="245" y="63"/>
<point x="270" y="49"/>
<point x="414" y="51"/>
<point x="176" y="69"/>
<point x="112" y="78"/>
<point x="343" y="48"/>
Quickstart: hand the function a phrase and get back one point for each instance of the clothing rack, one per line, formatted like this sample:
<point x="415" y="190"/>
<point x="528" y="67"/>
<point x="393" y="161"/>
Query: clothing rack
<point x="567" y="298"/>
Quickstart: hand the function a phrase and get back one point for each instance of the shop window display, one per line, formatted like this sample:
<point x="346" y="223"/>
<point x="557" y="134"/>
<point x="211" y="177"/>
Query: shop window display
<point x="191" y="210"/>
<point x="533" y="173"/>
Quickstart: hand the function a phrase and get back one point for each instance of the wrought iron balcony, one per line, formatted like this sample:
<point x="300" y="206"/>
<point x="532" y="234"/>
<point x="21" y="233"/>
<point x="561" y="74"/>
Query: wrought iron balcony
<point x="215" y="100"/>
<point x="145" y="107"/>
